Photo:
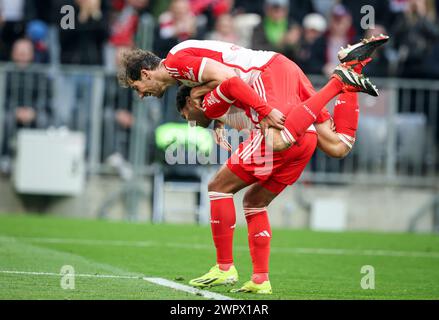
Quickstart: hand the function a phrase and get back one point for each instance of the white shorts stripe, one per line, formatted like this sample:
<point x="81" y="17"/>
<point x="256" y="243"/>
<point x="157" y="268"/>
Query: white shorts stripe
<point x="249" y="145"/>
<point x="253" y="149"/>
<point x="289" y="136"/>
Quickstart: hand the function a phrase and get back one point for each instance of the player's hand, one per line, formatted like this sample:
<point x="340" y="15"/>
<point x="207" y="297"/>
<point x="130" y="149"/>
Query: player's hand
<point x="274" y="119"/>
<point x="198" y="92"/>
<point x="197" y="95"/>
<point x="220" y="137"/>
<point x="197" y="102"/>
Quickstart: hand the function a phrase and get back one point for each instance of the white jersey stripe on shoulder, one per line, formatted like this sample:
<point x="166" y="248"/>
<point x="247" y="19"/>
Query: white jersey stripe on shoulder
<point x="200" y="72"/>
<point x="200" y="44"/>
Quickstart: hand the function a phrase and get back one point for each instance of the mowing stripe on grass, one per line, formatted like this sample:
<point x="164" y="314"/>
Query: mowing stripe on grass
<point x="318" y="251"/>
<point x="157" y="281"/>
<point x="82" y="275"/>
<point x="182" y="287"/>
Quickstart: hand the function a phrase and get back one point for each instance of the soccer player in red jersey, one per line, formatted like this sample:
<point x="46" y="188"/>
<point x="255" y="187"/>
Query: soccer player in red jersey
<point x="335" y="142"/>
<point x="279" y="100"/>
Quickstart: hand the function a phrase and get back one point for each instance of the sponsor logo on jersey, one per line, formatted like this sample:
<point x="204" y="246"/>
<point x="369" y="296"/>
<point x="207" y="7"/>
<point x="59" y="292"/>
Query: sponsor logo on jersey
<point x="309" y="111"/>
<point x="337" y="102"/>
<point x="212" y="100"/>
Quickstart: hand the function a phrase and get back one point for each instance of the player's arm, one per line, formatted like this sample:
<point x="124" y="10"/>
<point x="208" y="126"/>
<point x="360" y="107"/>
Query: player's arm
<point x="199" y="92"/>
<point x="232" y="88"/>
<point x="330" y="142"/>
<point x="208" y="71"/>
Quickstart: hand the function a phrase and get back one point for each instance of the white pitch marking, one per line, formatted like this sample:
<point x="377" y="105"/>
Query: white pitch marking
<point x="157" y="281"/>
<point x="182" y="287"/>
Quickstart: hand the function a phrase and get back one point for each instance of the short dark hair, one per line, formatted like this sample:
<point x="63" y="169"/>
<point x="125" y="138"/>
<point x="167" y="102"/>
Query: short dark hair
<point x="132" y="62"/>
<point x="182" y="93"/>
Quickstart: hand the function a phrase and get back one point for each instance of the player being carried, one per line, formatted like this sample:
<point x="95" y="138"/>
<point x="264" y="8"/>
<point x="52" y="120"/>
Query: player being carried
<point x="279" y="100"/>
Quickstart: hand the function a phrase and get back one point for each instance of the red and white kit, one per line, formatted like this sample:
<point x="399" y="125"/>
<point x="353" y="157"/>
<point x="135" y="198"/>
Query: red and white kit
<point x="278" y="82"/>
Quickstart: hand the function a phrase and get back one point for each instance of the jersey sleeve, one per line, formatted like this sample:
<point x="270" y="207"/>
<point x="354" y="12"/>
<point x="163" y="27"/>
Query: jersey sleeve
<point x="183" y="65"/>
<point x="323" y="116"/>
<point x="215" y="104"/>
<point x="235" y="89"/>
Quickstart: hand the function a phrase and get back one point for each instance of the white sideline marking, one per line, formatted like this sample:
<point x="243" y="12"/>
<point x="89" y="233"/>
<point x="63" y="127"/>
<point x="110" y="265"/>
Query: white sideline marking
<point x="323" y="251"/>
<point x="182" y="287"/>
<point x="157" y="281"/>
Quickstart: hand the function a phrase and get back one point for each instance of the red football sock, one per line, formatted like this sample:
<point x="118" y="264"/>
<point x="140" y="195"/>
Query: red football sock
<point x="305" y="114"/>
<point x="259" y="277"/>
<point x="222" y="222"/>
<point x="259" y="237"/>
<point x="346" y="114"/>
<point x="358" y="68"/>
<point x="225" y="266"/>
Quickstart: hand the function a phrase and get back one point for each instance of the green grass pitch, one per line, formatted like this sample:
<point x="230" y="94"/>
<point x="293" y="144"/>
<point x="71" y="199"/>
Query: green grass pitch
<point x="304" y="264"/>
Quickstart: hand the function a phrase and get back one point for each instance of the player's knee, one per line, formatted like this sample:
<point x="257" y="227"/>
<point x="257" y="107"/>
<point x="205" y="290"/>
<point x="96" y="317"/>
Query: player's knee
<point x="251" y="201"/>
<point x="214" y="185"/>
<point x="274" y="140"/>
<point x="218" y="185"/>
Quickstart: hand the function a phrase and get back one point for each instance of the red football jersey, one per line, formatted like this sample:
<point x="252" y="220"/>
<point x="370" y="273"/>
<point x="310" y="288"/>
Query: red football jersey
<point x="186" y="61"/>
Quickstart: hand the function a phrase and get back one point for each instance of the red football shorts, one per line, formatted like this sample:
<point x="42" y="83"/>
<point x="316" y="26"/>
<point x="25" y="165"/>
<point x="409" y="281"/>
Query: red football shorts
<point x="251" y="162"/>
<point x="283" y="85"/>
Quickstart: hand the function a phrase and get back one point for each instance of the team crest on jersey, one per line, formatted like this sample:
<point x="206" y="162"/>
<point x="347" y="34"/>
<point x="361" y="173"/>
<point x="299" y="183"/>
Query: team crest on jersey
<point x="190" y="74"/>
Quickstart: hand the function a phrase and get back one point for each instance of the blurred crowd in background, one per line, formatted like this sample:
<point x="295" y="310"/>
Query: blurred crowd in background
<point x="310" y="32"/>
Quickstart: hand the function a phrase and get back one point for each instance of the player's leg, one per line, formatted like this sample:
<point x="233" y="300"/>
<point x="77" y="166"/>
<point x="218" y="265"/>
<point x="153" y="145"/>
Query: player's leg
<point x="349" y="73"/>
<point x="222" y="220"/>
<point x="285" y="86"/>
<point x="305" y="114"/>
<point x="338" y="143"/>
<point x="346" y="109"/>
<point x="255" y="203"/>
<point x="258" y="197"/>
<point x="222" y="213"/>
<point x="346" y="115"/>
